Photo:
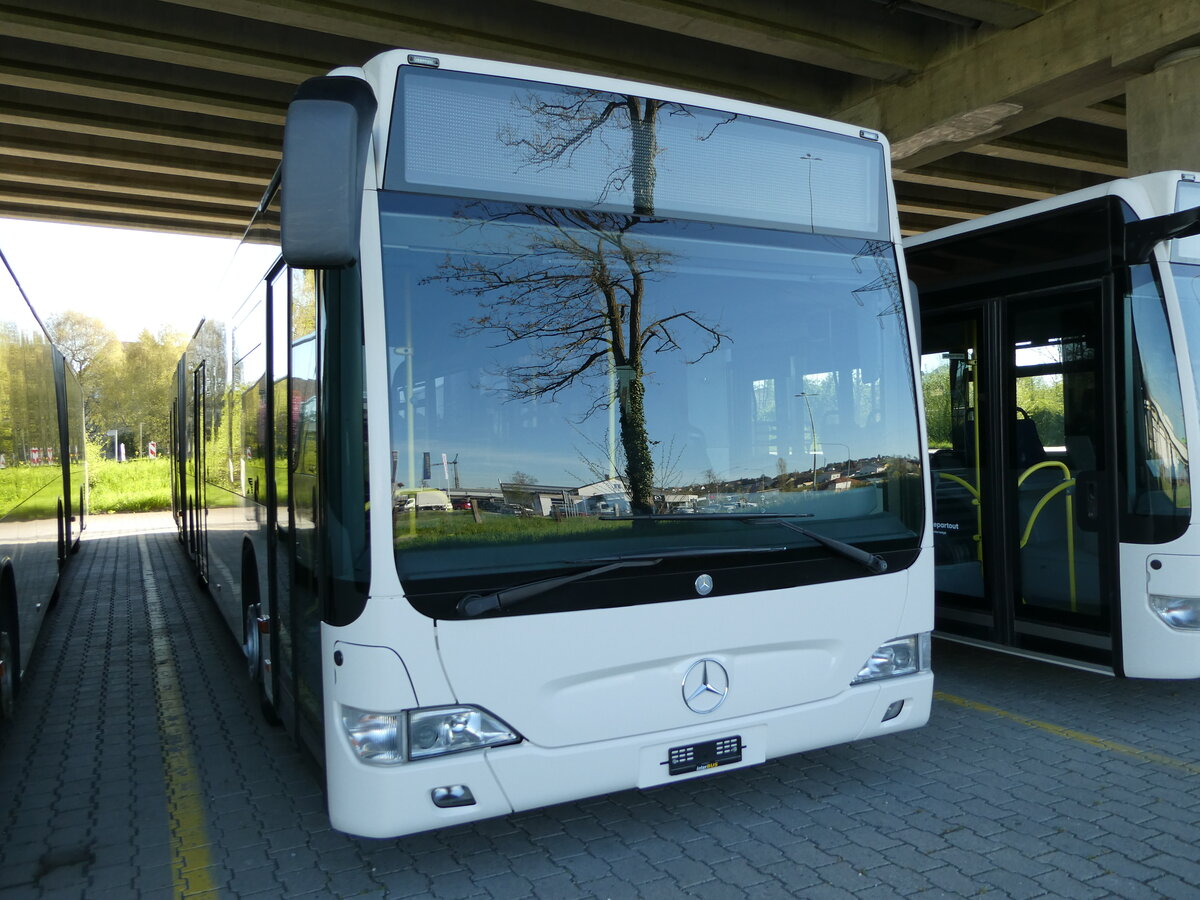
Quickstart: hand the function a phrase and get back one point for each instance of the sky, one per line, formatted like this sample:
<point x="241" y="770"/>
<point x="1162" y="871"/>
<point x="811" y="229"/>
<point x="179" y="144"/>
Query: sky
<point x="129" y="280"/>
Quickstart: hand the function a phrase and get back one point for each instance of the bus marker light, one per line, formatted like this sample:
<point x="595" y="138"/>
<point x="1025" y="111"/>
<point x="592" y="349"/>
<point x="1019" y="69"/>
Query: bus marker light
<point x="431" y="62"/>
<point x="1178" y="612"/>
<point x="452" y="795"/>
<point x="374" y="736"/>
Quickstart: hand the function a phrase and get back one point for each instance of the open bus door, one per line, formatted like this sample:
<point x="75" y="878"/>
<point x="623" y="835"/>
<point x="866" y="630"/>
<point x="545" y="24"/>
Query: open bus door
<point x="1022" y="436"/>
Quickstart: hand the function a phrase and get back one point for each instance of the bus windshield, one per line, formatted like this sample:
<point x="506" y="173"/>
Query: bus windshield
<point x="576" y="384"/>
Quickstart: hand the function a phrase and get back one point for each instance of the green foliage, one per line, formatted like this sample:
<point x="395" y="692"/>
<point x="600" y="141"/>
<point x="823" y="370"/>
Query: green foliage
<point x="142" y="485"/>
<point x="1042" y="398"/>
<point x="434" y="528"/>
<point x="936" y="387"/>
<point x="127" y="386"/>
<point x="28" y="493"/>
<point x="130" y="390"/>
<point x="85" y="341"/>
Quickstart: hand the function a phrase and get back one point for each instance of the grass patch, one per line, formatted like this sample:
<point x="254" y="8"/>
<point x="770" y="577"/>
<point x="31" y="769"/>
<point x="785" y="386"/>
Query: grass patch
<point x="139" y="485"/>
<point x="432" y="528"/>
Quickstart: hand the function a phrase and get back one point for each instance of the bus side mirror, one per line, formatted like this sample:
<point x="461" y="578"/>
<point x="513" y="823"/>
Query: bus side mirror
<point x="325" y="142"/>
<point x="1141" y="237"/>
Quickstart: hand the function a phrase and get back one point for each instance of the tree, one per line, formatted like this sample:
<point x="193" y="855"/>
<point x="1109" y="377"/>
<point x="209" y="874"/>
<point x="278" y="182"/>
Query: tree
<point x="134" y="391"/>
<point x="92" y="350"/>
<point x="84" y="341"/>
<point x="518" y="496"/>
<point x="127" y="387"/>
<point x="576" y="291"/>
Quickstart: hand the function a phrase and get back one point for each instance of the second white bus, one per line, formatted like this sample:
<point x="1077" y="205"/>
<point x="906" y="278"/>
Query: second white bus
<point x="1061" y="364"/>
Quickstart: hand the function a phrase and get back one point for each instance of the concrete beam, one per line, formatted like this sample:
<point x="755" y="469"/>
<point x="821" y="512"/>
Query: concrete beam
<point x="140" y="93"/>
<point x="1164" y="116"/>
<point x="27" y="144"/>
<point x="137" y="130"/>
<point x="108" y="37"/>
<point x="1110" y="115"/>
<point x="208" y="216"/>
<point x="1042" y="155"/>
<point x="878" y="48"/>
<point x="523" y="31"/>
<point x="958" y="182"/>
<point x="973" y="175"/>
<point x="128" y="219"/>
<point x="1023" y="72"/>
<point x="106" y="180"/>
<point x="1005" y="13"/>
<point x="935" y="209"/>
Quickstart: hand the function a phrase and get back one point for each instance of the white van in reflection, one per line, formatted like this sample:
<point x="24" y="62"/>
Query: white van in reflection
<point x="420" y="500"/>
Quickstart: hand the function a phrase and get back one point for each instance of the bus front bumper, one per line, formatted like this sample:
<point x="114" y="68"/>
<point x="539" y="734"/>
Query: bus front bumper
<point x="390" y="801"/>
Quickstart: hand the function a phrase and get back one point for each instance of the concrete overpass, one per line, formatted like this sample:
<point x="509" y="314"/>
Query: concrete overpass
<point x="168" y="114"/>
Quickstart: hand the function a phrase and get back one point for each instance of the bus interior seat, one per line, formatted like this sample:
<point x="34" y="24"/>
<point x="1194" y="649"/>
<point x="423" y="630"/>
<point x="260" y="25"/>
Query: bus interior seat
<point x="945" y="458"/>
<point x="1030" y="450"/>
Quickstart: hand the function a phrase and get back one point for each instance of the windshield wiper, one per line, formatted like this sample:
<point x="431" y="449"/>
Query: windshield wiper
<point x="478" y="604"/>
<point x="872" y="562"/>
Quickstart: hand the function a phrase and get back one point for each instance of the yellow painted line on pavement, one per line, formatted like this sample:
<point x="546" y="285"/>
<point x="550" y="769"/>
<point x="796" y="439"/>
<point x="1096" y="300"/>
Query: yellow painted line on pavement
<point x="1082" y="737"/>
<point x="191" y="862"/>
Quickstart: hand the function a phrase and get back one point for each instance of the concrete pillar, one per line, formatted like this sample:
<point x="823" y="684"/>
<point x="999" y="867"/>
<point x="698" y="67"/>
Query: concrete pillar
<point x="1163" y="116"/>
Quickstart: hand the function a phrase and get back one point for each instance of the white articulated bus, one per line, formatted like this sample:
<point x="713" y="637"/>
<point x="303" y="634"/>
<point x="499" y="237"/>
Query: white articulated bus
<point x="42" y="479"/>
<point x="568" y="441"/>
<point x="1061" y="368"/>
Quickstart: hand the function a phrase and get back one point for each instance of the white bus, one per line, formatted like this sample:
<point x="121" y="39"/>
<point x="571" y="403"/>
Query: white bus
<point x="1061" y="364"/>
<point x="540" y="278"/>
<point x="42" y="479"/>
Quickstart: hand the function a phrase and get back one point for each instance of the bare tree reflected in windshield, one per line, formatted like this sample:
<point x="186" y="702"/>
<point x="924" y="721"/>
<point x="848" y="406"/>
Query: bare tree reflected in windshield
<point x="574" y="288"/>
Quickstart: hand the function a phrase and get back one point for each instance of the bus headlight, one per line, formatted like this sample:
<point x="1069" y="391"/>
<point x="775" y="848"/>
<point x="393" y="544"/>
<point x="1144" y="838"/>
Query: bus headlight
<point x="902" y="656"/>
<point x="374" y="736"/>
<point x="450" y="729"/>
<point x="1178" y="612"/>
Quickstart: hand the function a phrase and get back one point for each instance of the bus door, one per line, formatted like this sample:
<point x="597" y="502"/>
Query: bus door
<point x="1020" y="425"/>
<point x="955" y="386"/>
<point x="1058" y="432"/>
<point x="199" y="501"/>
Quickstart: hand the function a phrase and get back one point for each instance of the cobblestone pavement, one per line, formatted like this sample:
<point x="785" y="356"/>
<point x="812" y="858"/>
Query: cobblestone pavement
<point x="138" y="765"/>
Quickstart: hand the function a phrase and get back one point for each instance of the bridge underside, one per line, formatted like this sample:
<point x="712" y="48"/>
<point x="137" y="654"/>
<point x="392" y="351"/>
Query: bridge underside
<point x="168" y="114"/>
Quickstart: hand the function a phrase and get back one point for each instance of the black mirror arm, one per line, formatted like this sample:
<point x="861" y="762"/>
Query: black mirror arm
<point x="1142" y="237"/>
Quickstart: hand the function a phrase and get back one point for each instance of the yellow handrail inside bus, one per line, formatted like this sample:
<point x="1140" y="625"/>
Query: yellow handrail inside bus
<point x="955" y="478"/>
<point x="1047" y="464"/>
<point x="1064" y="485"/>
<point x="977" y="537"/>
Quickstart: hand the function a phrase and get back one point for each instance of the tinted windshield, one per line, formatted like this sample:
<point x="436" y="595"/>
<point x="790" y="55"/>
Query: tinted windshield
<point x="619" y="326"/>
<point x="749" y="372"/>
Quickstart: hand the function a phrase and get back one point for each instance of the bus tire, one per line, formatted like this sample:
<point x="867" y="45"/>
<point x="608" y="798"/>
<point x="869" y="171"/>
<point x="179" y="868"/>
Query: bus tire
<point x="10" y="648"/>
<point x="62" y="535"/>
<point x="252" y="643"/>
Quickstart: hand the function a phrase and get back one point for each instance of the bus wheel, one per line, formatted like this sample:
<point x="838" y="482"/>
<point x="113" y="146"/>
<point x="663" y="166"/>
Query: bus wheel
<point x="8" y="677"/>
<point x="252" y="646"/>
<point x="252" y="642"/>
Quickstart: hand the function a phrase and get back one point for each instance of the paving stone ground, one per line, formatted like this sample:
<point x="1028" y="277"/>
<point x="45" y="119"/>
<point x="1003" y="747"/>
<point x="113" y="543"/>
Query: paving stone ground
<point x="1030" y="781"/>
